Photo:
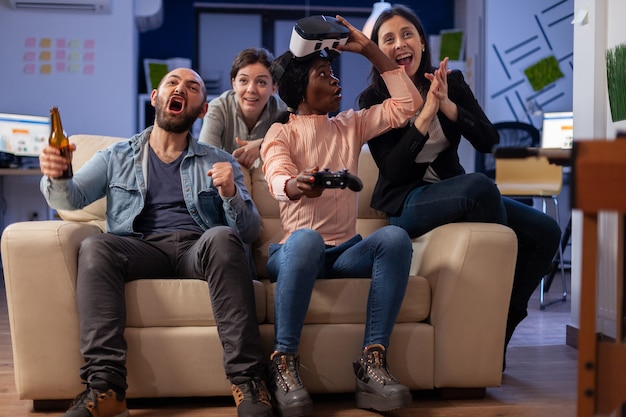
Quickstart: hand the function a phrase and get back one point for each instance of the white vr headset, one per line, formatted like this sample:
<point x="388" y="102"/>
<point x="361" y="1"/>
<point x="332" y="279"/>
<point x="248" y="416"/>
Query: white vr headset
<point x="317" y="36"/>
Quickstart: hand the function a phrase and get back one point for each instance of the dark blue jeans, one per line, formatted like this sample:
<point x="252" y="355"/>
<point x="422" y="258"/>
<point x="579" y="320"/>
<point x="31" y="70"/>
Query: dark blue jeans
<point x="107" y="261"/>
<point x="385" y="256"/>
<point x="475" y="198"/>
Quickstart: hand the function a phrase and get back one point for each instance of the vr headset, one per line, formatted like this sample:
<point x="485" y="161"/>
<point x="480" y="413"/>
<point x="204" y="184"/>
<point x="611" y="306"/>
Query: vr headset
<point x="315" y="36"/>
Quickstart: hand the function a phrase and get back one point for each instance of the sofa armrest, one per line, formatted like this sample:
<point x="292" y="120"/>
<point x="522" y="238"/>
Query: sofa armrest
<point x="470" y="267"/>
<point x="40" y="263"/>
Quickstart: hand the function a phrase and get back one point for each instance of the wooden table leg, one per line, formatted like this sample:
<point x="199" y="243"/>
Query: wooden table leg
<point x="587" y="341"/>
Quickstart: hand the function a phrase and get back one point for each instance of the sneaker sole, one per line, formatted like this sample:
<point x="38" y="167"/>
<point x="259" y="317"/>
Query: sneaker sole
<point x="378" y="403"/>
<point x="296" y="410"/>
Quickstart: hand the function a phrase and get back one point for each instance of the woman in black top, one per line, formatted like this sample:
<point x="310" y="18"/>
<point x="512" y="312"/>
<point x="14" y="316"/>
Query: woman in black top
<point x="421" y="183"/>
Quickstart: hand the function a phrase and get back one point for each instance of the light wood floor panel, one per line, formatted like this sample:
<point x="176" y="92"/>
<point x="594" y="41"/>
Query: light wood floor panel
<point x="540" y="381"/>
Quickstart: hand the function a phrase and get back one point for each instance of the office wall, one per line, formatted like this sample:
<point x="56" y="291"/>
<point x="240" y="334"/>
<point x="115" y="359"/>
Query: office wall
<point x="84" y="63"/>
<point x="519" y="35"/>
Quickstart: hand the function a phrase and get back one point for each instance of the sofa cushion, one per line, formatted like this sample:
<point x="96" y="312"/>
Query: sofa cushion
<point x="344" y="300"/>
<point x="176" y="302"/>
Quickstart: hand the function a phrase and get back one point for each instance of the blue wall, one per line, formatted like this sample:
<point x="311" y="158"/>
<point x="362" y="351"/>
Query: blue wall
<point x="177" y="35"/>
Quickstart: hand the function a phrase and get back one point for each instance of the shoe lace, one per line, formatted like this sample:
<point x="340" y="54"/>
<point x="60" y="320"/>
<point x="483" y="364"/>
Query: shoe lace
<point x="288" y="371"/>
<point x="85" y="398"/>
<point x="257" y="390"/>
<point x="375" y="363"/>
<point x="79" y="399"/>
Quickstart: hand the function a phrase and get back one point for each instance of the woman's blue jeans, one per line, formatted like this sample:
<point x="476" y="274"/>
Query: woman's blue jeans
<point x="475" y="198"/>
<point x="385" y="256"/>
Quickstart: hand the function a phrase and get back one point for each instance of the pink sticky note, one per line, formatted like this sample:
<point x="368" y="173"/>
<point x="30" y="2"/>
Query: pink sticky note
<point x="89" y="69"/>
<point x="31" y="42"/>
<point x="89" y="57"/>
<point x="61" y="43"/>
<point x="60" y="55"/>
<point x="30" y="56"/>
<point x="61" y="67"/>
<point x="29" y="69"/>
<point x="90" y="43"/>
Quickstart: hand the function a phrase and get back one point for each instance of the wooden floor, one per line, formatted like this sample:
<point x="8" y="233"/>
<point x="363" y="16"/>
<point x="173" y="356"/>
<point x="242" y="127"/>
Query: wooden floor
<point x="540" y="380"/>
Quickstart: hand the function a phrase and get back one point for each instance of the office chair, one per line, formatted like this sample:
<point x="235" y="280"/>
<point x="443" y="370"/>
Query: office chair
<point x="512" y="134"/>
<point x="529" y="178"/>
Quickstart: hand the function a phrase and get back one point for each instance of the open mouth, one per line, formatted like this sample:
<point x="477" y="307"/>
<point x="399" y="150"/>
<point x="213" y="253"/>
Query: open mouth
<point x="404" y="59"/>
<point x="176" y="104"/>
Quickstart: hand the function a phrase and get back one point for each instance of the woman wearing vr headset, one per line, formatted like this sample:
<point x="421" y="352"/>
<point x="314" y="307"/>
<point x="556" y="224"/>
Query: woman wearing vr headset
<point x="238" y="119"/>
<point x="320" y="239"/>
<point x="421" y="183"/>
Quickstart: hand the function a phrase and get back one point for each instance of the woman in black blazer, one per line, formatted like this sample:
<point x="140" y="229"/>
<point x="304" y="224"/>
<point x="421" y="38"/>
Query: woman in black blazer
<point x="421" y="183"/>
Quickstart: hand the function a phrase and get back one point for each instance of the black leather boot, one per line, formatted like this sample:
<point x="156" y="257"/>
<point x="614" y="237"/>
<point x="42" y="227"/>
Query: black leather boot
<point x="291" y="398"/>
<point x="376" y="388"/>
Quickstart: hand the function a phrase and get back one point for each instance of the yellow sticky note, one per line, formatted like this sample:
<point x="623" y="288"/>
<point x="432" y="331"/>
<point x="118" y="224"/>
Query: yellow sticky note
<point x="74" y="56"/>
<point x="45" y="56"/>
<point x="74" y="43"/>
<point x="45" y="42"/>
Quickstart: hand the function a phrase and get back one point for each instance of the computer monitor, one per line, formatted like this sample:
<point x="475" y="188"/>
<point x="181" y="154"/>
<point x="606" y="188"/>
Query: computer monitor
<point x="23" y="135"/>
<point x="557" y="130"/>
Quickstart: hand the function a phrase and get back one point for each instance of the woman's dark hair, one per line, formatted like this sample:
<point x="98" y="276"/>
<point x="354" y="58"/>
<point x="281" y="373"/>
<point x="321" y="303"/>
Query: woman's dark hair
<point x="251" y="56"/>
<point x="376" y="82"/>
<point x="293" y="78"/>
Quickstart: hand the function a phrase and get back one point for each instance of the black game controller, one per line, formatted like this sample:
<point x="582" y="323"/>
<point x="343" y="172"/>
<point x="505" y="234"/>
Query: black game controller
<point x="338" y="179"/>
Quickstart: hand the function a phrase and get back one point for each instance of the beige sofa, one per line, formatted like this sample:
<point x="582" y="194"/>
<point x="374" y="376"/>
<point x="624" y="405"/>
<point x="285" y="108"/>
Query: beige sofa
<point x="449" y="334"/>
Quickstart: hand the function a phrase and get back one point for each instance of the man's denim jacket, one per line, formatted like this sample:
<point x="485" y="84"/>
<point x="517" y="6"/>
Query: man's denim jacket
<point x="119" y="173"/>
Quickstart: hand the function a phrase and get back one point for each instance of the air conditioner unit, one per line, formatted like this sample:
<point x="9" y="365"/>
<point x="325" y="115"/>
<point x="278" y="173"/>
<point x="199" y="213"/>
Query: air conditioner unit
<point x="90" y="6"/>
<point x="148" y="14"/>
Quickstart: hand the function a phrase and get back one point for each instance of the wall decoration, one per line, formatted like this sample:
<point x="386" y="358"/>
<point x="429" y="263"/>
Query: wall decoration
<point x="543" y="73"/>
<point x="48" y="55"/>
<point x="451" y="45"/>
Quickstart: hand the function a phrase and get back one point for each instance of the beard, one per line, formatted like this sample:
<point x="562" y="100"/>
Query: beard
<point x="179" y="123"/>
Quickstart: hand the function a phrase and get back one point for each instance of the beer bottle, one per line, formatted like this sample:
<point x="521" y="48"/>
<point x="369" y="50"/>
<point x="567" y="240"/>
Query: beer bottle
<point x="58" y="139"/>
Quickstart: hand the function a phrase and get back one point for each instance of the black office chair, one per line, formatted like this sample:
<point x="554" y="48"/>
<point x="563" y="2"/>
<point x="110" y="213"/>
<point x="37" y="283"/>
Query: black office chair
<point x="512" y="134"/>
